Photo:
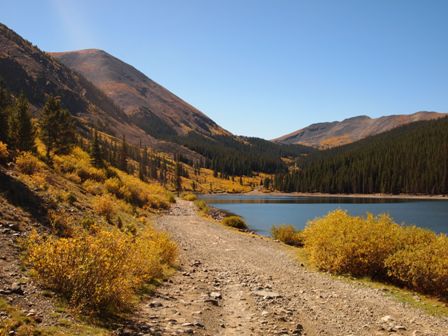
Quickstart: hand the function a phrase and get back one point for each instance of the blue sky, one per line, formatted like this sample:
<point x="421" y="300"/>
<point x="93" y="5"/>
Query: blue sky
<point x="263" y="68"/>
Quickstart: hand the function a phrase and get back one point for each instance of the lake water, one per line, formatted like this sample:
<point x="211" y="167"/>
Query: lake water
<point x="261" y="212"/>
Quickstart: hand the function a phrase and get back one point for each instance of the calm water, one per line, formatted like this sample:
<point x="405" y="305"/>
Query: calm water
<point x="261" y="212"/>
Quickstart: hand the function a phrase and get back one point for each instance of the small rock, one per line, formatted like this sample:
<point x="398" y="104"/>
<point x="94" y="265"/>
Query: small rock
<point x="16" y="288"/>
<point x="267" y="294"/>
<point x="215" y="295"/>
<point x="386" y="319"/>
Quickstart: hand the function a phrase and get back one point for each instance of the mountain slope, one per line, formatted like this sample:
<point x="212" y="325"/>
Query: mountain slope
<point x="337" y="133"/>
<point x="26" y="69"/>
<point x="163" y="115"/>
<point x="149" y="105"/>
<point x="411" y="159"/>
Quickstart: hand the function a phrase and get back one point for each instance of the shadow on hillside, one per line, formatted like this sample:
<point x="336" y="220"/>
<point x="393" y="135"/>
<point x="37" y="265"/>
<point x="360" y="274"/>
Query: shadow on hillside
<point x="19" y="195"/>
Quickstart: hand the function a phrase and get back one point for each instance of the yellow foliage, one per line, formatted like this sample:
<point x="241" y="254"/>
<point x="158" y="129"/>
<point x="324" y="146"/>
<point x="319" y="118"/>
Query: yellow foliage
<point x="4" y="154"/>
<point x="94" y="187"/>
<point x="376" y="246"/>
<point x="104" y="206"/>
<point x="99" y="272"/>
<point x="423" y="268"/>
<point x="28" y="164"/>
<point x="287" y="234"/>
<point x="189" y="197"/>
<point x="345" y="244"/>
<point x="137" y="192"/>
<point x="78" y="163"/>
<point x="235" y="221"/>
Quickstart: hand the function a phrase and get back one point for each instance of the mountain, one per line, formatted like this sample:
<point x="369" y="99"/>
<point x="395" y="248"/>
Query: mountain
<point x="337" y="133"/>
<point x="150" y="106"/>
<point x="104" y="92"/>
<point x="26" y="69"/>
<point x="410" y="159"/>
<point x="165" y="116"/>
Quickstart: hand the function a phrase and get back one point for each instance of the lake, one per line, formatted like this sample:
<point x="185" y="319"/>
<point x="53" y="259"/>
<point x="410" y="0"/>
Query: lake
<point x="263" y="211"/>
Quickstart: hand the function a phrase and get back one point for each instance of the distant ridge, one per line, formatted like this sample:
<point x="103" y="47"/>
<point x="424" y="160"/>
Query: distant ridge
<point x="337" y="133"/>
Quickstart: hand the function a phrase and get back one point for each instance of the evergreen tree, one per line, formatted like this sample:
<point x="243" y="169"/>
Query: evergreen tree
<point x="96" y="151"/>
<point x="177" y="177"/>
<point x="57" y="128"/>
<point x="143" y="164"/>
<point x="123" y="155"/>
<point x="21" y="130"/>
<point x="5" y="105"/>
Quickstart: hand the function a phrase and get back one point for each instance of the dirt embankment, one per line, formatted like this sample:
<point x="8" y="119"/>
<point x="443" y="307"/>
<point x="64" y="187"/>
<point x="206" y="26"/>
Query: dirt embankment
<point x="232" y="283"/>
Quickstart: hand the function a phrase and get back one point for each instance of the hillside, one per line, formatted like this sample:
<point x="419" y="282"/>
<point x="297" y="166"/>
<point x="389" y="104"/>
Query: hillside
<point x="337" y="133"/>
<point x="410" y="159"/>
<point x="165" y="116"/>
<point x="149" y="105"/>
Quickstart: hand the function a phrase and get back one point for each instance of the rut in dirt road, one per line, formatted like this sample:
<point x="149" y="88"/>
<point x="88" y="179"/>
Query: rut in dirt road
<point x="233" y="283"/>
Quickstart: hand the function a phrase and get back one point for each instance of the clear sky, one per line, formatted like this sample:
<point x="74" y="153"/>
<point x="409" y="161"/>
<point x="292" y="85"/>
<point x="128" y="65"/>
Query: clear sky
<point x="263" y="68"/>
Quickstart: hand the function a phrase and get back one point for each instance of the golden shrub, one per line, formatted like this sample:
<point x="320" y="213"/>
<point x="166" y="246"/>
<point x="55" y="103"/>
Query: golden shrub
<point x="202" y="206"/>
<point x="287" y="234"/>
<point x="4" y="154"/>
<point x="423" y="267"/>
<point x="73" y="177"/>
<point x="78" y="162"/>
<point x="28" y="164"/>
<point x="94" y="187"/>
<point x="137" y="192"/>
<point x="61" y="224"/>
<point x="235" y="221"/>
<point x="345" y="244"/>
<point x="102" y="271"/>
<point x="189" y="197"/>
<point x="105" y="206"/>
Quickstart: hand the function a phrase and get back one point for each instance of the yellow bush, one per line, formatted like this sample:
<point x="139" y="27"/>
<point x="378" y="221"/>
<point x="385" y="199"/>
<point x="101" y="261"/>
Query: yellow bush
<point x="73" y="177"/>
<point x="189" y="197"/>
<point x="345" y="244"/>
<point x="61" y="224"/>
<point x="28" y="164"/>
<point x="201" y="205"/>
<point x="105" y="206"/>
<point x="137" y="192"/>
<point x="287" y="234"/>
<point x="78" y="162"/>
<point x="94" y="187"/>
<point x="423" y="268"/>
<point x="99" y="272"/>
<point x="235" y="221"/>
<point x="4" y="154"/>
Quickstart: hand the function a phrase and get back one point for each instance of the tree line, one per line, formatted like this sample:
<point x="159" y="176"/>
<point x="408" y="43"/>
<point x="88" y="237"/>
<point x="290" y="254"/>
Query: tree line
<point x="411" y="159"/>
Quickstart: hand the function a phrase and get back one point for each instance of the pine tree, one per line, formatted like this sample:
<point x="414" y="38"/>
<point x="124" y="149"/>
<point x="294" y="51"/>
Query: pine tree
<point x="177" y="177"/>
<point x="57" y="129"/>
<point x="123" y="155"/>
<point x="143" y="164"/>
<point x="21" y="130"/>
<point x="96" y="151"/>
<point x="5" y="105"/>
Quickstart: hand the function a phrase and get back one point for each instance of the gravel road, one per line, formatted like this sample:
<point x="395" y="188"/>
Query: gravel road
<point x="233" y="283"/>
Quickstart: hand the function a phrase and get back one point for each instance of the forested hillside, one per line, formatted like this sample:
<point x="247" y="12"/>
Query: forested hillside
<point x="412" y="159"/>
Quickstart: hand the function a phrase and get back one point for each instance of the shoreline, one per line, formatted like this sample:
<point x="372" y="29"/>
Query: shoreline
<point x="300" y="194"/>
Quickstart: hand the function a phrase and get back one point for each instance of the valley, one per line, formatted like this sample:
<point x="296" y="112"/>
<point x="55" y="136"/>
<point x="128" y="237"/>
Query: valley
<point x="126" y="211"/>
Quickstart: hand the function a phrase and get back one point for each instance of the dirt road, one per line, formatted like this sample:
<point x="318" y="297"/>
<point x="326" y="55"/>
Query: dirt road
<point x="233" y="283"/>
